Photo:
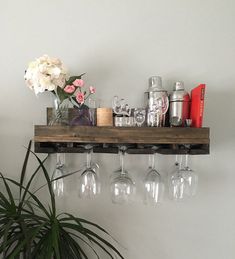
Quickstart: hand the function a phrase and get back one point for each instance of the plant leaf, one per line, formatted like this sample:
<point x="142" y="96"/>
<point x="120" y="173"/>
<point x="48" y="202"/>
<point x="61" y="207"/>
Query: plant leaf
<point x="73" y="78"/>
<point x="40" y="205"/>
<point x="24" y="241"/>
<point x="85" y="243"/>
<point x="28" y="185"/>
<point x="12" y="202"/>
<point x="23" y="172"/>
<point x="52" y="196"/>
<point x="62" y="94"/>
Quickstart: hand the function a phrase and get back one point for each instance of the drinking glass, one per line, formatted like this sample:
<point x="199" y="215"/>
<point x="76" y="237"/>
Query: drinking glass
<point x="153" y="184"/>
<point x="58" y="186"/>
<point x="139" y="116"/>
<point x="177" y="182"/>
<point x="89" y="182"/>
<point x="190" y="177"/>
<point x="120" y="107"/>
<point x="92" y="110"/>
<point x="122" y="186"/>
<point x="118" y="121"/>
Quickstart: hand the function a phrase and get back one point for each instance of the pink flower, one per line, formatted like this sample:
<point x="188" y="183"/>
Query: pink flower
<point x="92" y="89"/>
<point x="69" y="89"/>
<point x="78" y="82"/>
<point x="80" y="98"/>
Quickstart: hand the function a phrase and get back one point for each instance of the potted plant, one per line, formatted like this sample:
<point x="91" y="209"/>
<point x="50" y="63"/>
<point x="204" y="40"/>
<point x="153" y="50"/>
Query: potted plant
<point x="29" y="229"/>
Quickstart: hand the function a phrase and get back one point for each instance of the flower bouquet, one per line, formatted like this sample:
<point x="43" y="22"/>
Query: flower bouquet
<point x="49" y="74"/>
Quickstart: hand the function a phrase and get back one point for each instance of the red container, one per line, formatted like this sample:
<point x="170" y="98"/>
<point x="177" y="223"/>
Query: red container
<point x="197" y="105"/>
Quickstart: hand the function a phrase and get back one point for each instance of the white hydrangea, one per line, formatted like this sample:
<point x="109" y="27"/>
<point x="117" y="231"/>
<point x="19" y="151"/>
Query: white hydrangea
<point x="45" y="73"/>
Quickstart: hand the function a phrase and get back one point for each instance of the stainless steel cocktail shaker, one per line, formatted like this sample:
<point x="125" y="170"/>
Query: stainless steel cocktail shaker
<point x="157" y="102"/>
<point x="179" y="105"/>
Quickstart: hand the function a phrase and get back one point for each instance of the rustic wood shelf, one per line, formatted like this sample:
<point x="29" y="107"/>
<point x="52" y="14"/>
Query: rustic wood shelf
<point x="143" y="140"/>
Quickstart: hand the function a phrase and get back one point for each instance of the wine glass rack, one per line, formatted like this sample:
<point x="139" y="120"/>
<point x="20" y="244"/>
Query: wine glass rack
<point x="139" y="140"/>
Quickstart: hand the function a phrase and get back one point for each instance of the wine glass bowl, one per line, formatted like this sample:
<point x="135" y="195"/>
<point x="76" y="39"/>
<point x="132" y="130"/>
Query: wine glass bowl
<point x="177" y="186"/>
<point x="58" y="186"/>
<point x="153" y="184"/>
<point x="177" y="181"/>
<point x="89" y="182"/>
<point x="122" y="186"/>
<point x="152" y="187"/>
<point x="57" y="179"/>
<point x="183" y="181"/>
<point x="191" y="179"/>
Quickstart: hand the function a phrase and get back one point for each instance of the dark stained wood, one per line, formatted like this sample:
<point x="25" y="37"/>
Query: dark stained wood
<point x="164" y="149"/>
<point x="143" y="135"/>
<point x="71" y="139"/>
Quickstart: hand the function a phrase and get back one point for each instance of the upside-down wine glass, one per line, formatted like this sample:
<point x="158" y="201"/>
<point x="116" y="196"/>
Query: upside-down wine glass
<point x="89" y="182"/>
<point x="153" y="184"/>
<point x="177" y="182"/>
<point x="190" y="177"/>
<point x="60" y="170"/>
<point x="122" y="186"/>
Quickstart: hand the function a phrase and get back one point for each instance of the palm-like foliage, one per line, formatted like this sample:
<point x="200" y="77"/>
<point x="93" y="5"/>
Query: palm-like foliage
<point x="29" y="229"/>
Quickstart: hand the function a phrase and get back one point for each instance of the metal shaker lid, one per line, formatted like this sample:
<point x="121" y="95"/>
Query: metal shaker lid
<point x="179" y="93"/>
<point x="155" y="84"/>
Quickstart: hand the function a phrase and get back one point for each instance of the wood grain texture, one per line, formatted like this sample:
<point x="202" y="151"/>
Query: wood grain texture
<point x="128" y="135"/>
<point x="72" y="139"/>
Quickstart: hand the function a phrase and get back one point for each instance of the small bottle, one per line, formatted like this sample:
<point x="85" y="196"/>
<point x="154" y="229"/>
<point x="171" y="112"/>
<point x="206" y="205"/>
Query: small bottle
<point x="179" y="105"/>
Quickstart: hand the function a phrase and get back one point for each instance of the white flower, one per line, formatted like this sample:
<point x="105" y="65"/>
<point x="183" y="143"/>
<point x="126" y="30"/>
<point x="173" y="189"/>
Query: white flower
<point x="60" y="81"/>
<point x="45" y="73"/>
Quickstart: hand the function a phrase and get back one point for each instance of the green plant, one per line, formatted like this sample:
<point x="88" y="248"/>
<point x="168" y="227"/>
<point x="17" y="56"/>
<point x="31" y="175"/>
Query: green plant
<point x="31" y="230"/>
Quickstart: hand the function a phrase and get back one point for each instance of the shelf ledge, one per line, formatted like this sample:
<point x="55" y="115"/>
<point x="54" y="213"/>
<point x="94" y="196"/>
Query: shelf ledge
<point x="71" y="139"/>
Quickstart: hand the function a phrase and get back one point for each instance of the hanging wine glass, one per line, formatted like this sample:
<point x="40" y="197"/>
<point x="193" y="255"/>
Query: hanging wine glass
<point x="190" y="177"/>
<point x="89" y="182"/>
<point x="177" y="182"/>
<point x="58" y="186"/>
<point x="122" y="186"/>
<point x="117" y="171"/>
<point x="153" y="184"/>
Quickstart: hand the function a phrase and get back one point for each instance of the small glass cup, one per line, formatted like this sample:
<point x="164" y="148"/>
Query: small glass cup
<point x="129" y="121"/>
<point x="118" y="121"/>
<point x="139" y="116"/>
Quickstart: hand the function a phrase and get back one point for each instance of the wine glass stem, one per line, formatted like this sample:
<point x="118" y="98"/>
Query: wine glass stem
<point x="152" y="161"/>
<point x="186" y="160"/>
<point x="180" y="162"/>
<point x="60" y="159"/>
<point x="88" y="158"/>
<point x="176" y="160"/>
<point x="122" y="162"/>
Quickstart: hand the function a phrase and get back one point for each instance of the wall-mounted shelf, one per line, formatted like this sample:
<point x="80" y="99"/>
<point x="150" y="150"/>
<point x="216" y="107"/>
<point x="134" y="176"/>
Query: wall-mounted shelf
<point x="72" y="139"/>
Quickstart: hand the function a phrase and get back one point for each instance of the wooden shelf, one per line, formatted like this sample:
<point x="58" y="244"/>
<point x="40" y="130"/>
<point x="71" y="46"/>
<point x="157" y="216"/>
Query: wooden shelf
<point x="72" y="139"/>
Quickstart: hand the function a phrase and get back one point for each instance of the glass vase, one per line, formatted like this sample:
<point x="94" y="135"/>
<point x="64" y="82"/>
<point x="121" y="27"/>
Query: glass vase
<point x="83" y="116"/>
<point x="59" y="114"/>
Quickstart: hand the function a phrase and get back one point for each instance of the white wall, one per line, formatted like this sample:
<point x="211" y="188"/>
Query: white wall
<point x="120" y="44"/>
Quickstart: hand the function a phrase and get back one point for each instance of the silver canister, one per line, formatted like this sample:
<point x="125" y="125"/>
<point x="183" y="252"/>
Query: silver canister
<point x="179" y="105"/>
<point x="157" y="102"/>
